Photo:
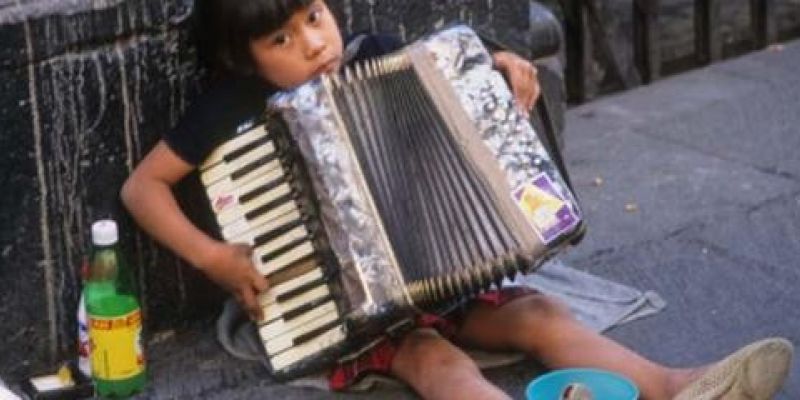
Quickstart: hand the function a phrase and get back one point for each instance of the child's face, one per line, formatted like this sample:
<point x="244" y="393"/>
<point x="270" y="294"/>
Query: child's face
<point x="308" y="45"/>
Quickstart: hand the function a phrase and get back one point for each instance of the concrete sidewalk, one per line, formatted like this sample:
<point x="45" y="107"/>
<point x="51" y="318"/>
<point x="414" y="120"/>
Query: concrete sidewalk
<point x="691" y="187"/>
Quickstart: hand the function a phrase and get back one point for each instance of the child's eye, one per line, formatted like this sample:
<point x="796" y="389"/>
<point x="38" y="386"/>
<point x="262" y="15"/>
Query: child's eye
<point x="314" y="16"/>
<point x="280" y="39"/>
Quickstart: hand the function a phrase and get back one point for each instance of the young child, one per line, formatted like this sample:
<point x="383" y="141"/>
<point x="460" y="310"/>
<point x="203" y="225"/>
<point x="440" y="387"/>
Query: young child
<point x="267" y="45"/>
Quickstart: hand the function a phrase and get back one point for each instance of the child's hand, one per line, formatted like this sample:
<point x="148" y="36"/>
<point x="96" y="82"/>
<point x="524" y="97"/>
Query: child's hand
<point x="521" y="75"/>
<point x="231" y="267"/>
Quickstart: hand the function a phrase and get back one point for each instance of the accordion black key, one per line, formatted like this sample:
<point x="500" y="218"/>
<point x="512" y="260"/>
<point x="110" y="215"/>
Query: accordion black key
<point x="403" y="184"/>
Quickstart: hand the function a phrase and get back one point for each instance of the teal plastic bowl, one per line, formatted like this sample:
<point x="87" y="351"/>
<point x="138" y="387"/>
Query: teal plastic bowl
<point x="604" y="385"/>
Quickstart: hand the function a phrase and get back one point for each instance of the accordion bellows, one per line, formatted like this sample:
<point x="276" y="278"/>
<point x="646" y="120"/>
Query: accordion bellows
<point x="400" y="196"/>
<point x="427" y="187"/>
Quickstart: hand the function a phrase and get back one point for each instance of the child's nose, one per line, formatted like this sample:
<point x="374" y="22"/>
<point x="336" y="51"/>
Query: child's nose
<point x="315" y="44"/>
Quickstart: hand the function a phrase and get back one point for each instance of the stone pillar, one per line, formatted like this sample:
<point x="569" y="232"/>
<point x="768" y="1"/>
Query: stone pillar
<point x="87" y="87"/>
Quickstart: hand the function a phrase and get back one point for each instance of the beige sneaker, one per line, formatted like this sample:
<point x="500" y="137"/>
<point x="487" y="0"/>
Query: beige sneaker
<point x="754" y="372"/>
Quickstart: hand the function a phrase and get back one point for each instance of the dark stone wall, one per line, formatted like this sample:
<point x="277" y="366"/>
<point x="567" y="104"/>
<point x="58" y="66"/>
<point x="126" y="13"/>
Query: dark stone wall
<point x="86" y="88"/>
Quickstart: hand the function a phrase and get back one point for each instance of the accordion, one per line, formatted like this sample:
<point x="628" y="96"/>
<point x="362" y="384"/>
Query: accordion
<point x="405" y="183"/>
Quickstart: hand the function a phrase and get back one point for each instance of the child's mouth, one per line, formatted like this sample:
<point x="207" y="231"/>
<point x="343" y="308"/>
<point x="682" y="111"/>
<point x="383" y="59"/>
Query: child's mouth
<point x="328" y="67"/>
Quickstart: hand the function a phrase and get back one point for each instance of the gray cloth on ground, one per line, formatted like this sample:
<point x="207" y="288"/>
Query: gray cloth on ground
<point x="598" y="303"/>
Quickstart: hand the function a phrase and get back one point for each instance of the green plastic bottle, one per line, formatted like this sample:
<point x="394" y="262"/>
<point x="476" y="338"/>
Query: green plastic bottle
<point x="115" y="319"/>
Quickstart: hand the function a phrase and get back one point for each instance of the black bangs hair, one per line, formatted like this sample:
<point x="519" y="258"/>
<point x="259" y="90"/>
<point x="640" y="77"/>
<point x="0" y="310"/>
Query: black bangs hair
<point x="227" y="27"/>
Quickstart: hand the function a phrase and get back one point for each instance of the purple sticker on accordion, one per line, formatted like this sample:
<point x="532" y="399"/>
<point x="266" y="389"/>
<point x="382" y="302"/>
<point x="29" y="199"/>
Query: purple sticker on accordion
<point x="544" y="209"/>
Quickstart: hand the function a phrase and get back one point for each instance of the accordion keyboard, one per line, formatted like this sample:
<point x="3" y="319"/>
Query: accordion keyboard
<point x="255" y="202"/>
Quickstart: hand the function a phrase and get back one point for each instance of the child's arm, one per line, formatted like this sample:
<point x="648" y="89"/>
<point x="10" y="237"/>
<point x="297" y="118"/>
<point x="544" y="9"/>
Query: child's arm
<point x="147" y="194"/>
<point x="521" y="75"/>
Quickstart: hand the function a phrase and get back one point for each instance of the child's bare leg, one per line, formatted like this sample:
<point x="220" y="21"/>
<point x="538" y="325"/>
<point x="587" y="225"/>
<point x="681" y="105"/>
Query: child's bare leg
<point x="547" y="331"/>
<point x="436" y="369"/>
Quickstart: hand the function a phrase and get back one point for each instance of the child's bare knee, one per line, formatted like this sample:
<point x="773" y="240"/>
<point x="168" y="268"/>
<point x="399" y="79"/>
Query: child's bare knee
<point x="424" y="352"/>
<point x="537" y="309"/>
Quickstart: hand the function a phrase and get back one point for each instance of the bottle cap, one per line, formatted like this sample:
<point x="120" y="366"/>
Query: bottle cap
<point x="104" y="232"/>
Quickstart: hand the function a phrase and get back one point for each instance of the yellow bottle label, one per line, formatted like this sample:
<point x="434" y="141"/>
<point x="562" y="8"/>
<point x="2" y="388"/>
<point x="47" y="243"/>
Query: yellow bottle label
<point x="116" y="346"/>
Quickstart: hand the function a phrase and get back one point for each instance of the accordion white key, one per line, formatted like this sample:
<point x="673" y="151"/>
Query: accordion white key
<point x="403" y="184"/>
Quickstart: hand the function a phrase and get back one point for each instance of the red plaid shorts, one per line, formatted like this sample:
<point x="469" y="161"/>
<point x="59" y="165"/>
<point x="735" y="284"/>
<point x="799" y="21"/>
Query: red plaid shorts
<point x="379" y="358"/>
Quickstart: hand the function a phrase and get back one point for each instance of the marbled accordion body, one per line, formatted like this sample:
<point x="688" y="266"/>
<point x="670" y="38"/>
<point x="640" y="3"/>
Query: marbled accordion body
<point x="405" y="183"/>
